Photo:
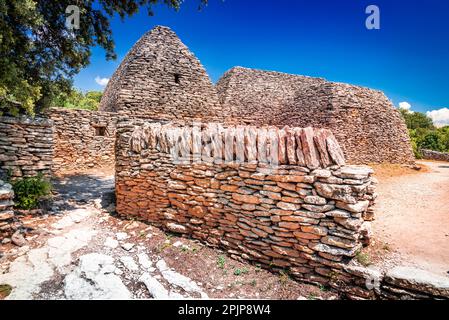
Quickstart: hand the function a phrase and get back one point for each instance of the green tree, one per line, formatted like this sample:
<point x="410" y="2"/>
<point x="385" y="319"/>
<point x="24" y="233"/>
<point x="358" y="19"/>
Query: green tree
<point x="75" y="99"/>
<point x="415" y="120"/>
<point x="423" y="134"/>
<point x="432" y="140"/>
<point x="39" y="55"/>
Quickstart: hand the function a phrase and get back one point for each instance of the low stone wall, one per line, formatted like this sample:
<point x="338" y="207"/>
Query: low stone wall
<point x="83" y="139"/>
<point x="398" y="283"/>
<point x="305" y="215"/>
<point x="26" y="146"/>
<point x="434" y="155"/>
<point x="6" y="210"/>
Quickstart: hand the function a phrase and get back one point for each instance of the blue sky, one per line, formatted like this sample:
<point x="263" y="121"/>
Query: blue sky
<point x="408" y="58"/>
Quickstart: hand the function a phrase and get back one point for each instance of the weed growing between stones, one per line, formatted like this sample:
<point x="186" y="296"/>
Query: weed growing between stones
<point x="363" y="258"/>
<point x="238" y="272"/>
<point x="221" y="262"/>
<point x="5" y="290"/>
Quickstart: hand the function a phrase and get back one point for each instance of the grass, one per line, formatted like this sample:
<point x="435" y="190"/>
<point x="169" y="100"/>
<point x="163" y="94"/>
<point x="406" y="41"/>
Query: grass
<point x="312" y="297"/>
<point x="323" y="288"/>
<point x="363" y="258"/>
<point x="169" y="236"/>
<point x="164" y="246"/>
<point x="283" y="277"/>
<point x="221" y="261"/>
<point x="5" y="290"/>
<point x="238" y="271"/>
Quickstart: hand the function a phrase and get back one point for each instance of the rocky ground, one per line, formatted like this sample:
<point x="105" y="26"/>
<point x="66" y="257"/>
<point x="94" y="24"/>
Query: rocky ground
<point x="81" y="250"/>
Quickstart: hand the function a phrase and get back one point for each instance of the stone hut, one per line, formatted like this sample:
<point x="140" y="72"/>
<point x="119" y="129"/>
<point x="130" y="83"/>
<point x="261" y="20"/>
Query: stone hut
<point x="161" y="79"/>
<point x="367" y="125"/>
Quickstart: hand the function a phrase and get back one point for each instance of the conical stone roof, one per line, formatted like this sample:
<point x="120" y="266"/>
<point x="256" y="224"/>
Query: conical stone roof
<point x="161" y="79"/>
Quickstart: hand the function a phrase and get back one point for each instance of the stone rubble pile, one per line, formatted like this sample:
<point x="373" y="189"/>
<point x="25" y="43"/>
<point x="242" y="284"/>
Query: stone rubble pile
<point x="307" y="217"/>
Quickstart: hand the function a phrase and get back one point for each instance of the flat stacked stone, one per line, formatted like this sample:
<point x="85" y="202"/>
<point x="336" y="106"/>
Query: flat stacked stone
<point x="434" y="155"/>
<point x="364" y="121"/>
<point x="259" y="205"/>
<point x="77" y="143"/>
<point x="26" y="146"/>
<point x="6" y="210"/>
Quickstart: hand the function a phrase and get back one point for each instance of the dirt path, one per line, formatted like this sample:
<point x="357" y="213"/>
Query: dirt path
<point x="413" y="216"/>
<point x="82" y="250"/>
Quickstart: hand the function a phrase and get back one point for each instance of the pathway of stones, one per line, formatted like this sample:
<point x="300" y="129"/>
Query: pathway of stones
<point x="82" y="251"/>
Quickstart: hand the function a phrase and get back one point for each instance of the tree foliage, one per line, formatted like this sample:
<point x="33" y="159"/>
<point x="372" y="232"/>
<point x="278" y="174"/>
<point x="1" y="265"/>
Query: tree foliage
<point x="424" y="135"/>
<point x="39" y="55"/>
<point x="415" y="120"/>
<point x="76" y="99"/>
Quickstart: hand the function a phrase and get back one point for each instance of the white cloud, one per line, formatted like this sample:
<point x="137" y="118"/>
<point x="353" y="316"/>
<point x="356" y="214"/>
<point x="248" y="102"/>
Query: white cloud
<point x="440" y="117"/>
<point x="101" y="81"/>
<point x="405" y="106"/>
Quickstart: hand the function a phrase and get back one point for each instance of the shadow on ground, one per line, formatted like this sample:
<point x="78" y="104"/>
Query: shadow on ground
<point x="84" y="188"/>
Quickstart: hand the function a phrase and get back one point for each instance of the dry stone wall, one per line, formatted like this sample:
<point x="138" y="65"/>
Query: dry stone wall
<point x="434" y="155"/>
<point x="7" y="223"/>
<point x="83" y="139"/>
<point x="26" y="146"/>
<point x="308" y="214"/>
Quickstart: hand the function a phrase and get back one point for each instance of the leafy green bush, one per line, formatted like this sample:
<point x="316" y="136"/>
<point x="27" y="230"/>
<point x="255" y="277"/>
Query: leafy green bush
<point x="424" y="135"/>
<point x="28" y="191"/>
<point x="432" y="139"/>
<point x="415" y="120"/>
<point x="76" y="99"/>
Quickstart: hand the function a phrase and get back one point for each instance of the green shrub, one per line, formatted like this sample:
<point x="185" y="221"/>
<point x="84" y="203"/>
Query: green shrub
<point x="424" y="135"/>
<point x="28" y="191"/>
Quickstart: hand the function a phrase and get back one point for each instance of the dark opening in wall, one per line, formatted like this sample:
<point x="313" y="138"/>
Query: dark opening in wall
<point x="177" y="78"/>
<point x="100" y="131"/>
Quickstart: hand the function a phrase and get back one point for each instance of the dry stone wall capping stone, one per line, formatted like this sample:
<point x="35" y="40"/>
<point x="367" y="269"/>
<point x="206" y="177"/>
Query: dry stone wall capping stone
<point x="83" y="139"/>
<point x="306" y="218"/>
<point x="26" y="146"/>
